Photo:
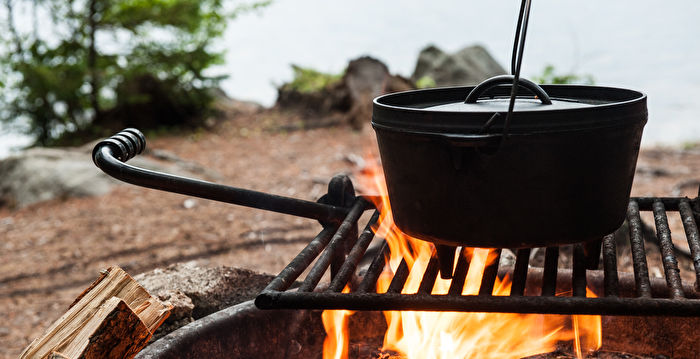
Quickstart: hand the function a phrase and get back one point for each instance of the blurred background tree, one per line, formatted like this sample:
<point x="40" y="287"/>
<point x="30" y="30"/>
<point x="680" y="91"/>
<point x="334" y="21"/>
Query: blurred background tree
<point x="550" y="76"/>
<point x="85" y="68"/>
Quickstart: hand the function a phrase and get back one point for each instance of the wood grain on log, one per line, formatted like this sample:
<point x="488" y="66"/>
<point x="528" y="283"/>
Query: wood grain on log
<point x="113" y="318"/>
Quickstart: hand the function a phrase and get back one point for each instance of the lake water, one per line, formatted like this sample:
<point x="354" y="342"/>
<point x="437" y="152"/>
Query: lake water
<point x="650" y="46"/>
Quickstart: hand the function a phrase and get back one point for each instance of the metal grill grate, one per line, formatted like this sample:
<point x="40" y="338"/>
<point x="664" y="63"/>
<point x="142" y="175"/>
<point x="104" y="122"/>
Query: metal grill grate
<point x="532" y="291"/>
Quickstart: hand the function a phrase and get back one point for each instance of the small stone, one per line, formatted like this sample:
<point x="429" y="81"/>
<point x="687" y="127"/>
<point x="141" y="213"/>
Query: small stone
<point x="355" y="160"/>
<point x="507" y="258"/>
<point x="189" y="203"/>
<point x="294" y="347"/>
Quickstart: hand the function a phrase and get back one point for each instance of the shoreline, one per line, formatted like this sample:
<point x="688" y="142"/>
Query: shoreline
<point x="17" y="143"/>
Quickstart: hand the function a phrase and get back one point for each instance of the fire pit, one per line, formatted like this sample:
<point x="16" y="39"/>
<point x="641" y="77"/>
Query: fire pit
<point x="493" y="182"/>
<point x="408" y="285"/>
<point x="243" y="331"/>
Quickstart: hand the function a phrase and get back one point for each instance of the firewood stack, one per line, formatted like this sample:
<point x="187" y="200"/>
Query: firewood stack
<point x="113" y="318"/>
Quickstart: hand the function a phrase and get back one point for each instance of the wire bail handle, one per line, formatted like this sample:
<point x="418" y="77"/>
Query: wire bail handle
<point x="514" y="79"/>
<point x="507" y="79"/>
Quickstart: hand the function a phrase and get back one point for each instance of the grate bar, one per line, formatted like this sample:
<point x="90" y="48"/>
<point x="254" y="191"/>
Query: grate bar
<point x="294" y="269"/>
<point x="348" y="268"/>
<point x="400" y="277"/>
<point x="549" y="278"/>
<point x="668" y="256"/>
<point x="639" y="258"/>
<point x="430" y="275"/>
<point x="578" y="274"/>
<point x="647" y="203"/>
<point x="692" y="235"/>
<point x="610" y="286"/>
<point x="336" y="243"/>
<point x="476" y="303"/>
<point x="369" y="282"/>
<point x="520" y="272"/>
<point x="490" y="272"/>
<point x="460" y="273"/>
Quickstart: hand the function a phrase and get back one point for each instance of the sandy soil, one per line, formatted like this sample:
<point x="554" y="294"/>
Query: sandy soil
<point x="51" y="251"/>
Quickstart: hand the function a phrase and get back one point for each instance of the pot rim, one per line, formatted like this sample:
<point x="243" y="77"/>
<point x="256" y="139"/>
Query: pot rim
<point x="411" y="111"/>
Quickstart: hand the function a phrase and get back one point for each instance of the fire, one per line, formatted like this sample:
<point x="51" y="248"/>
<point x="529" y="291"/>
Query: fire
<point x="335" y="346"/>
<point x="436" y="335"/>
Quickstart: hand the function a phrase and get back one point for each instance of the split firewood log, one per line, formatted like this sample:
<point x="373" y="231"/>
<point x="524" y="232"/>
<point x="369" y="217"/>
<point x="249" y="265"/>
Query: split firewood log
<point x="113" y="318"/>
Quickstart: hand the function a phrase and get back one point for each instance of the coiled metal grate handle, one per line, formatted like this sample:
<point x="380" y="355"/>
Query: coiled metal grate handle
<point x="125" y="145"/>
<point x="111" y="154"/>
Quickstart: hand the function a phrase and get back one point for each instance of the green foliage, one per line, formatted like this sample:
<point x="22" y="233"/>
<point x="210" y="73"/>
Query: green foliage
<point x="248" y="7"/>
<point x="111" y="63"/>
<point x="690" y="145"/>
<point x="49" y="88"/>
<point x="425" y="82"/>
<point x="549" y="76"/>
<point x="307" y="80"/>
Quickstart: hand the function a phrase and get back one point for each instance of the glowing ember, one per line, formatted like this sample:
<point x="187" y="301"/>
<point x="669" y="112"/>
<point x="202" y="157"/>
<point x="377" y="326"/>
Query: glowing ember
<point x="435" y="335"/>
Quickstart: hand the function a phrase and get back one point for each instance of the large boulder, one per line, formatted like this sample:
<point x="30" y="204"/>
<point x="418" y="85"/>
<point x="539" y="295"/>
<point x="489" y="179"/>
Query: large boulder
<point x="365" y="79"/>
<point x="348" y="100"/>
<point x="468" y="66"/>
<point x="41" y="174"/>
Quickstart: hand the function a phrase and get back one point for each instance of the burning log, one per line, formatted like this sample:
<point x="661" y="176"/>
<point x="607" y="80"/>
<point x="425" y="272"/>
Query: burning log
<point x="113" y="318"/>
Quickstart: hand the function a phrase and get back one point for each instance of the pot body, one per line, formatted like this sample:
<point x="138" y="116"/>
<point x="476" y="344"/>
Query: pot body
<point x="529" y="189"/>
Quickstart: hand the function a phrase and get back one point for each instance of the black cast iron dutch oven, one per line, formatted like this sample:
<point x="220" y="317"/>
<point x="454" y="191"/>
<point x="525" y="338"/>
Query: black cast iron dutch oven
<point x="560" y="173"/>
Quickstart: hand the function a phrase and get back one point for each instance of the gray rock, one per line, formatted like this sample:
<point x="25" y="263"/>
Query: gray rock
<point x="41" y="174"/>
<point x="196" y="291"/>
<point x="507" y="258"/>
<point x="348" y="100"/>
<point x="366" y="78"/>
<point x="468" y="66"/>
<point x="180" y="315"/>
<point x="182" y="304"/>
<point x="228" y="107"/>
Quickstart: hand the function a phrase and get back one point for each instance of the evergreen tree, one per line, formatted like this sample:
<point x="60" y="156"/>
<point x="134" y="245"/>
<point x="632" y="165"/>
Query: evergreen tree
<point x="99" y="65"/>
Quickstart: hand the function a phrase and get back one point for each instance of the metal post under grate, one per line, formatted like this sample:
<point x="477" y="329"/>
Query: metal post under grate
<point x="621" y="294"/>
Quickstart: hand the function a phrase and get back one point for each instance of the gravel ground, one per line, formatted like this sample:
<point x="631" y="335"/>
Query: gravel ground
<point x="53" y="250"/>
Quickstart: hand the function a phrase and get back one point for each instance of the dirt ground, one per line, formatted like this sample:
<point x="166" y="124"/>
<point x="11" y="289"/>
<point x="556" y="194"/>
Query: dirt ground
<point x="52" y="250"/>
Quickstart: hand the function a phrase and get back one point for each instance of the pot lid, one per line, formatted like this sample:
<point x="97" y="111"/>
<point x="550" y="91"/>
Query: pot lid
<point x="500" y="104"/>
<point x="541" y="101"/>
<point x="554" y="108"/>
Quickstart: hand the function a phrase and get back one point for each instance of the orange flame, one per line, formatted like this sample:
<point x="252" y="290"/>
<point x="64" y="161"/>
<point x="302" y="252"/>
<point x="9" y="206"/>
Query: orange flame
<point x="335" y="346"/>
<point x="436" y="335"/>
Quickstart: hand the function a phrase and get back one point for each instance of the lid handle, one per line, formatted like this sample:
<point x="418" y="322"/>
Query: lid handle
<point x="507" y="79"/>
